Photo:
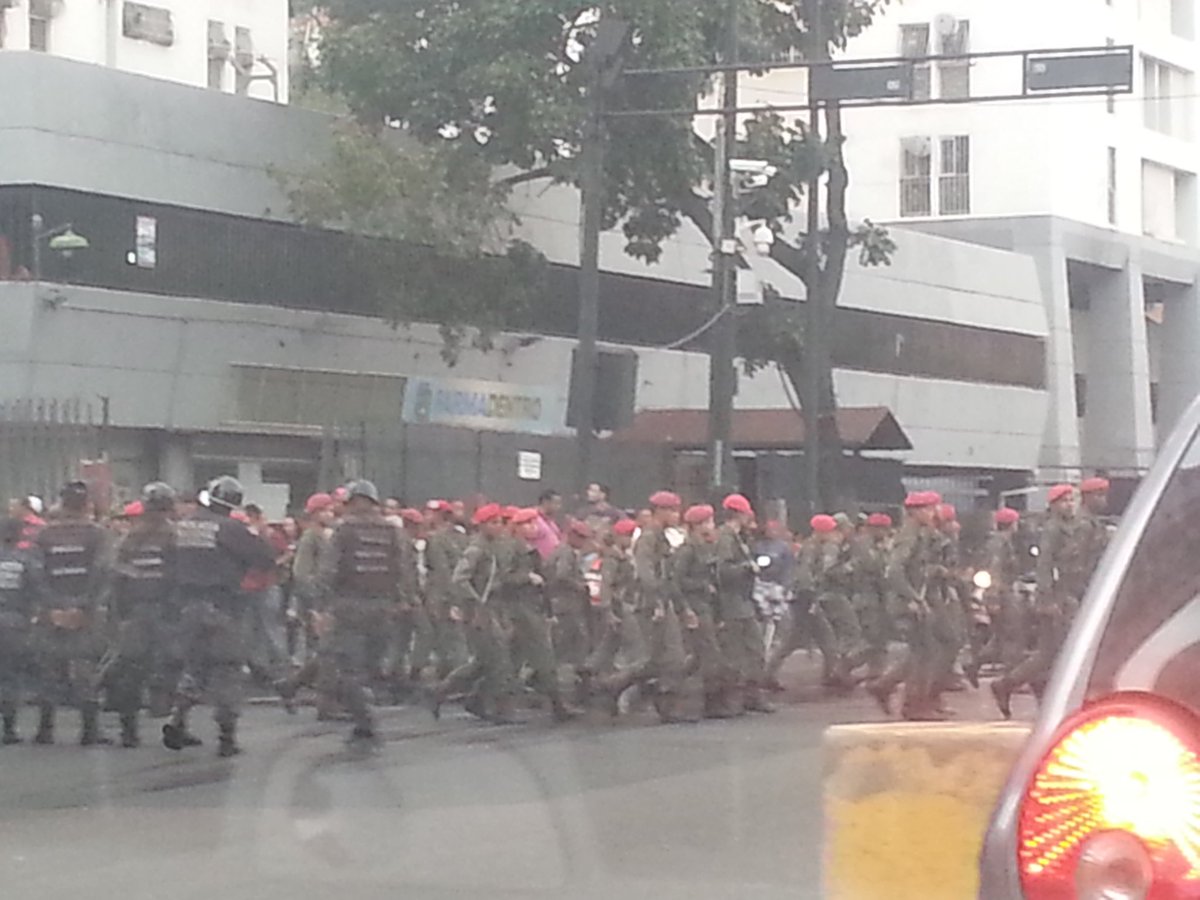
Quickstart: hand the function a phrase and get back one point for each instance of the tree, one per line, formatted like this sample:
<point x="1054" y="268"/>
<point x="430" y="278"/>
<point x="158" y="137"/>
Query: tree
<point x="499" y="84"/>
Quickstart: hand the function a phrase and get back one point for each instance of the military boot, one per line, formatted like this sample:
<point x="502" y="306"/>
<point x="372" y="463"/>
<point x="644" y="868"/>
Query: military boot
<point x="130" y="738"/>
<point x="10" y="727"/>
<point x="754" y="700"/>
<point x="718" y="704"/>
<point x="227" y="745"/>
<point x="45" y="732"/>
<point x="90" y="735"/>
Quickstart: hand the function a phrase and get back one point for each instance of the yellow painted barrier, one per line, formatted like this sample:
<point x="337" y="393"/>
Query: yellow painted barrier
<point x="907" y="805"/>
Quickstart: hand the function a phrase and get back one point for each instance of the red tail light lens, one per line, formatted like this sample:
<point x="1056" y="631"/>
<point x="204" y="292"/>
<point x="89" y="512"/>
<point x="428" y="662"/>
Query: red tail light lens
<point x="1113" y="812"/>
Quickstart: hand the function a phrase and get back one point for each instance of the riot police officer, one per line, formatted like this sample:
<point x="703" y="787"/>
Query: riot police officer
<point x="75" y="555"/>
<point x="213" y="552"/>
<point x="361" y="581"/>
<point x="18" y="585"/>
<point x="145" y="607"/>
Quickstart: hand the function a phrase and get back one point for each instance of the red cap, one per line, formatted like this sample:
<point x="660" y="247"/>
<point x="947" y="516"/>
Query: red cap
<point x="523" y="516"/>
<point x="317" y="502"/>
<point x="412" y="516"/>
<point x="665" y="500"/>
<point x="922" y="499"/>
<point x="699" y="513"/>
<point x="581" y="529"/>
<point x="879" y="520"/>
<point x="625" y="526"/>
<point x="736" y="503"/>
<point x="1059" y="491"/>
<point x="438" y="506"/>
<point x="1094" y="486"/>
<point x="947" y="512"/>
<point x="487" y="513"/>
<point x="1007" y="516"/>
<point x="132" y="510"/>
<point x="341" y="495"/>
<point x="823" y="524"/>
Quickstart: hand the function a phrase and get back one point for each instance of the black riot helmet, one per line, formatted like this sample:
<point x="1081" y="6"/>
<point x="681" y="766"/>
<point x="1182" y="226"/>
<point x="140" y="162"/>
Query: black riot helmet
<point x="225" y="492"/>
<point x="74" y="496"/>
<point x="158" y="497"/>
<point x="363" y="488"/>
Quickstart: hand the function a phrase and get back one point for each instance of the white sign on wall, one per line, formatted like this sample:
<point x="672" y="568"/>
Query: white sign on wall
<point x="529" y="465"/>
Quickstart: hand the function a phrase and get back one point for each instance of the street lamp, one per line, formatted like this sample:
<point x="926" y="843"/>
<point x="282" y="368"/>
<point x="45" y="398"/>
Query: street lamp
<point x="63" y="240"/>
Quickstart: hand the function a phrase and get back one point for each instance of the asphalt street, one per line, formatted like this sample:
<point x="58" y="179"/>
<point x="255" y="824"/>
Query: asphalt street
<point x="449" y="809"/>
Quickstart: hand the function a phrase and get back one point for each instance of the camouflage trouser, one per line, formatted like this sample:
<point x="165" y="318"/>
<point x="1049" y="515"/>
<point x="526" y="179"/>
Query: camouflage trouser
<point x="571" y="641"/>
<point x="413" y="641"/>
<point x="622" y="641"/>
<point x="147" y="648"/>
<point x="531" y="643"/>
<point x="449" y="636"/>
<point x="843" y="621"/>
<point x="916" y="665"/>
<point x="806" y="624"/>
<point x="1051" y="626"/>
<point x="214" y="653"/>
<point x="66" y="662"/>
<point x="876" y="625"/>
<point x="354" y="649"/>
<point x="16" y="659"/>
<point x="488" y="674"/>
<point x="708" y="658"/>
<point x="742" y="644"/>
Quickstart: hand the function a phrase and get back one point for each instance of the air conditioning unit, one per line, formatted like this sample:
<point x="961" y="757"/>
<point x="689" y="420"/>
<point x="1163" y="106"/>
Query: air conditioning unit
<point x="219" y="47"/>
<point x="45" y="9"/>
<point x="243" y="49"/>
<point x="945" y="24"/>
<point x="917" y="146"/>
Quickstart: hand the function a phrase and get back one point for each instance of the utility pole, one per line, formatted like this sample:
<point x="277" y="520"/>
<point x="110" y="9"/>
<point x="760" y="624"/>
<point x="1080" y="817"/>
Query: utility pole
<point x="814" y="324"/>
<point x="591" y="190"/>
<point x="722" y="376"/>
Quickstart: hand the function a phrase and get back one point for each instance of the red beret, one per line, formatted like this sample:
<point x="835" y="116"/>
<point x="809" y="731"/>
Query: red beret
<point x="625" y="526"/>
<point x="1094" y="486"/>
<point x="879" y="520"/>
<point x="510" y="511"/>
<point x="318" y="502"/>
<point x="665" y="500"/>
<point x="487" y="513"/>
<point x="522" y="516"/>
<point x="133" y="510"/>
<point x="1007" y="516"/>
<point x="947" y="512"/>
<point x="1059" y="491"/>
<point x="823" y="524"/>
<point x="736" y="503"/>
<point x="921" y="499"/>
<point x="582" y="529"/>
<point x="697" y="514"/>
<point x="412" y="516"/>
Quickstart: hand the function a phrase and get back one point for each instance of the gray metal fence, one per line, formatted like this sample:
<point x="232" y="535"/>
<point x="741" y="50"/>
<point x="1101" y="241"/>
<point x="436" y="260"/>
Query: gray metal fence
<point x="45" y="443"/>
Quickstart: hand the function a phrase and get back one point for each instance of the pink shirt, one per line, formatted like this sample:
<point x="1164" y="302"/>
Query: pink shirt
<point x="547" y="536"/>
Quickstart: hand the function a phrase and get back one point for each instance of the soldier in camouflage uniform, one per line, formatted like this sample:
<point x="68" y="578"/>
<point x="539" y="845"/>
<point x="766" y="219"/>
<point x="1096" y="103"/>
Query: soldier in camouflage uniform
<point x="414" y="630"/>
<point x="908" y="572"/>
<point x="834" y="582"/>
<point x="18" y="600"/>
<point x="1095" y="530"/>
<point x="694" y="571"/>
<point x="806" y="624"/>
<point x="488" y="674"/>
<point x="146" y="607"/>
<point x="740" y="636"/>
<point x="445" y="543"/>
<point x="618" y="601"/>
<point x="526" y="608"/>
<point x="570" y="597"/>
<point x="1006" y="644"/>
<point x="868" y="564"/>
<point x="1060" y="582"/>
<point x="75" y="557"/>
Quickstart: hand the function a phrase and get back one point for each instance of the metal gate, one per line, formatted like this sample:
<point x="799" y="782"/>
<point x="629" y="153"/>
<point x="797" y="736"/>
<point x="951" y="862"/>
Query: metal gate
<point x="45" y="443"/>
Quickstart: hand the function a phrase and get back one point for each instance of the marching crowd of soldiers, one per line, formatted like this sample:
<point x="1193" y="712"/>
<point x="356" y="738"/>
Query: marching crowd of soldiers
<point x="694" y="609"/>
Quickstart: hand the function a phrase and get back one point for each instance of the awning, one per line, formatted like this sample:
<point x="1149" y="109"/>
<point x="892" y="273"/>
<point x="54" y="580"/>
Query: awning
<point x="861" y="428"/>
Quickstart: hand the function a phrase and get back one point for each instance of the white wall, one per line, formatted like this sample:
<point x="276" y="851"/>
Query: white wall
<point x="1042" y="156"/>
<point x="90" y="31"/>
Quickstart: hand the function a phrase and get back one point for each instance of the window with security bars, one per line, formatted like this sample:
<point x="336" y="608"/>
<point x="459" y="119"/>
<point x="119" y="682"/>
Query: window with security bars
<point x="954" y="75"/>
<point x="954" y="182"/>
<point x="914" y="44"/>
<point x="289" y="396"/>
<point x="916" y="170"/>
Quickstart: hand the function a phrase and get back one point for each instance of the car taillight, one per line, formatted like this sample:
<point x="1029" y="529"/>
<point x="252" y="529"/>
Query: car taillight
<point x="1113" y="811"/>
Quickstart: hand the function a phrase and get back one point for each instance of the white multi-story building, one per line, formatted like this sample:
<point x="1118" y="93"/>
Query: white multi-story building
<point x="1101" y="191"/>
<point x="235" y="46"/>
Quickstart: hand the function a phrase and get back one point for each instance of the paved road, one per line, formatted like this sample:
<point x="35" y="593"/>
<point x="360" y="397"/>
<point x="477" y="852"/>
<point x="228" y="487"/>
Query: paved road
<point x="442" y="810"/>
